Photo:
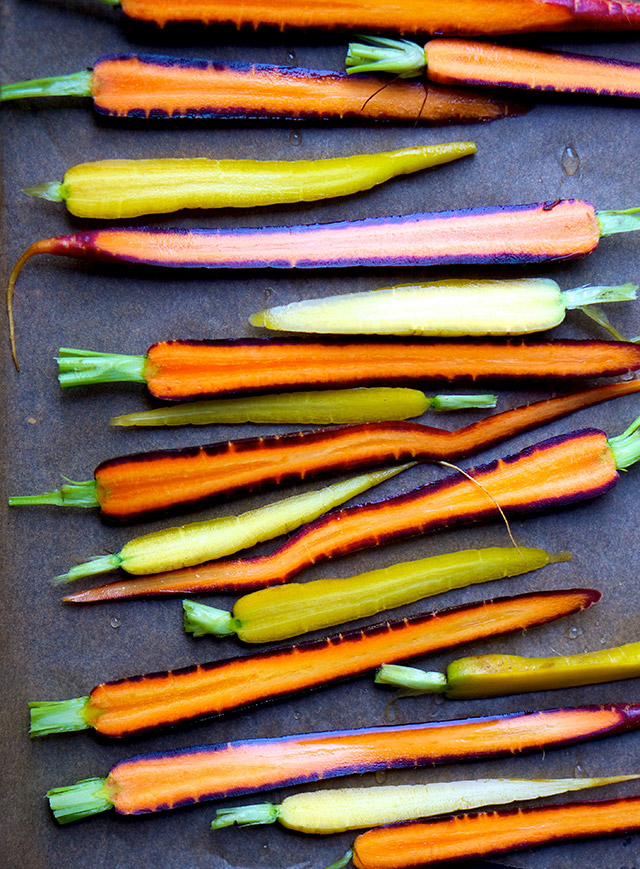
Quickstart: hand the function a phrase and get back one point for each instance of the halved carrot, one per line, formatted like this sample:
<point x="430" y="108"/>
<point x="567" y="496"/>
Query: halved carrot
<point x="553" y="473"/>
<point x="141" y="703"/>
<point x="461" y="837"/>
<point x="497" y="675"/>
<point x="165" y="780"/>
<point x="459" y="61"/>
<point x="541" y="232"/>
<point x="468" y="17"/>
<point x="160" y="87"/>
<point x="128" y="487"/>
<point x="112" y="189"/>
<point x="174" y="370"/>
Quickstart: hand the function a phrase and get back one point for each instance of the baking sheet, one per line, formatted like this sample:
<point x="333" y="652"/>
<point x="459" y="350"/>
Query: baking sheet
<point x="52" y="651"/>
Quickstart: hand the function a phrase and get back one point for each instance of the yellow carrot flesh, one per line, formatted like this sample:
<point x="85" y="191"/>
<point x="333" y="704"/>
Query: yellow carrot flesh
<point x="112" y="189"/>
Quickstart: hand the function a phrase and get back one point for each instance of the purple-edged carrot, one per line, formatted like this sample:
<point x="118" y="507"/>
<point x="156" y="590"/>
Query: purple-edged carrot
<point x="128" y="487"/>
<point x="160" y="87"/>
<point x="556" y="472"/>
<point x="155" y="700"/>
<point x="166" y="780"/>
<point x="462" y="62"/>
<point x="467" y="837"/>
<point x="535" y="233"/>
<point x="464" y="17"/>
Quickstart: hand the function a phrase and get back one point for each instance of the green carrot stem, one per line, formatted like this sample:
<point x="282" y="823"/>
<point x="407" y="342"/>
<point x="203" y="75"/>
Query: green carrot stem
<point x="78" y="84"/>
<point x="82" y="367"/>
<point x="578" y="297"/>
<point x="200" y="619"/>
<point x="70" y="494"/>
<point x="58" y="716"/>
<point x="601" y="319"/>
<point x="52" y="191"/>
<point x="81" y="800"/>
<point x="462" y="402"/>
<point x="245" y="816"/>
<point x="346" y="858"/>
<point x="411" y="678"/>
<point x="96" y="564"/>
<point x="612" y="222"/>
<point x="626" y="446"/>
<point x="377" y="54"/>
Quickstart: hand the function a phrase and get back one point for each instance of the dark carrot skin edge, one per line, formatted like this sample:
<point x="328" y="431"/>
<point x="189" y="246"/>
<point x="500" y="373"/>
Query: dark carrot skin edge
<point x="219" y="687"/>
<point x="187" y="776"/>
<point x="480" y="18"/>
<point x="484" y="834"/>
<point x="251" y="464"/>
<point x="523" y="484"/>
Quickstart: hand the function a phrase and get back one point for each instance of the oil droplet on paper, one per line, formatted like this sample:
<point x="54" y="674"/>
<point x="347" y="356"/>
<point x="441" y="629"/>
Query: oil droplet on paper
<point x="570" y="161"/>
<point x="297" y="715"/>
<point x="115" y="622"/>
<point x="291" y="56"/>
<point x="578" y="770"/>
<point x="295" y="138"/>
<point x="438" y="699"/>
<point x="32" y="420"/>
<point x="574" y="632"/>
<point x="381" y="776"/>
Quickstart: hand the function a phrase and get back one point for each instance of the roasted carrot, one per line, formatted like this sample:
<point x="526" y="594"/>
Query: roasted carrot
<point x="553" y="473"/>
<point x="465" y="17"/>
<point x="497" y="675"/>
<point x="460" y="62"/>
<point x="112" y="189"/>
<point x="444" y="308"/>
<point x="128" y="487"/>
<point x="140" y="703"/>
<point x="337" y="809"/>
<point x="186" y="370"/>
<point x="461" y="837"/>
<point x="165" y="780"/>
<point x="160" y="87"/>
<point x="541" y="232"/>
<point x="284" y="611"/>
<point x="326" y="407"/>
<point x="178" y="546"/>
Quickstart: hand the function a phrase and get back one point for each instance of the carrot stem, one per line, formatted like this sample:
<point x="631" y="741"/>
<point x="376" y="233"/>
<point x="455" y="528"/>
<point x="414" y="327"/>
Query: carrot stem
<point x="80" y="800"/>
<point x="82" y="367"/>
<point x="200" y="619"/>
<point x="70" y="494"/>
<point x="626" y="446"/>
<point x="58" y="716"/>
<point x="77" y="84"/>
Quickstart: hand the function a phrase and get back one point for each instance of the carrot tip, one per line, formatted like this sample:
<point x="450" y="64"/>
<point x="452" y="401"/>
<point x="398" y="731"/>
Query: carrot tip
<point x="46" y="245"/>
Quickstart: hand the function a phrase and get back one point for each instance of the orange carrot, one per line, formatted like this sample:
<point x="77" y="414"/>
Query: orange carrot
<point x="464" y="17"/>
<point x="483" y="834"/>
<point x="556" y="472"/>
<point x="462" y="62"/>
<point x="140" y="703"/>
<point x="128" y="487"/>
<point x="167" y="780"/>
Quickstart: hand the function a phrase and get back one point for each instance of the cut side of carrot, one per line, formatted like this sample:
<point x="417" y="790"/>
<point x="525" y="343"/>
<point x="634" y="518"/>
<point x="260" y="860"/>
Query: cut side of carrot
<point x="165" y="780"/>
<point x="553" y="473"/>
<point x="462" y="837"/>
<point x="465" y="17"/>
<point x="156" y="700"/>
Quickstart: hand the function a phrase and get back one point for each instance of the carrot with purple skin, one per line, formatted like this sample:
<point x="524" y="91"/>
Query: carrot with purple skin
<point x="463" y="62"/>
<point x="141" y="703"/>
<point x="166" y="780"/>
<point x="540" y="232"/>
<point x="562" y="470"/>
<point x="128" y="487"/>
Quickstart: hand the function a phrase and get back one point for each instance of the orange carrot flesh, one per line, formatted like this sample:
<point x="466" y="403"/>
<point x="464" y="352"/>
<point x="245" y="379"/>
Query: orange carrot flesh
<point x="464" y="17"/>
<point x="140" y="703"/>
<point x="461" y="837"/>
<point x="131" y="486"/>
<point x="558" y="471"/>
<point x="154" y="782"/>
<point x="155" y="87"/>
<point x="453" y="61"/>
<point x="198" y="369"/>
